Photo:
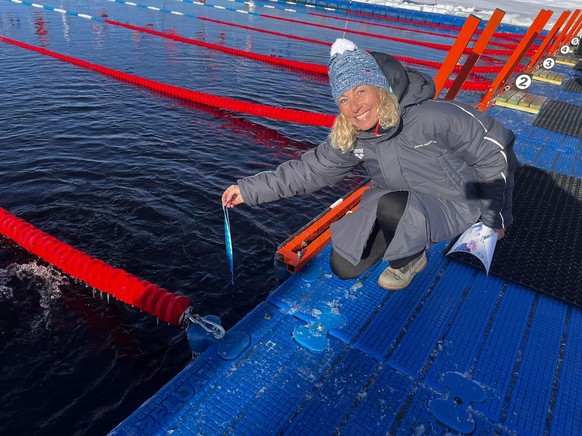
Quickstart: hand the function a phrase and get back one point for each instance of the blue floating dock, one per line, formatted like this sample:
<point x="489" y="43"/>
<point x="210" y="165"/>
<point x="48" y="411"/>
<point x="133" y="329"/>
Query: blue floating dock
<point x="456" y="352"/>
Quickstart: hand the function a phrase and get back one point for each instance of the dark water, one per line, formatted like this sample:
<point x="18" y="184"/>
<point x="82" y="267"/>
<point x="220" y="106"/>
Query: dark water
<point x="134" y="178"/>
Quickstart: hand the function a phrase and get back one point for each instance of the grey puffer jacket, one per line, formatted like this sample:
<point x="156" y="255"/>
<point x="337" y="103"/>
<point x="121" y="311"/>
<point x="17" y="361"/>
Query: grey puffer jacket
<point x="443" y="149"/>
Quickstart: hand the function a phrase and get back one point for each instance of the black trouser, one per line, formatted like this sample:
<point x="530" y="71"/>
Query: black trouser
<point x="391" y="207"/>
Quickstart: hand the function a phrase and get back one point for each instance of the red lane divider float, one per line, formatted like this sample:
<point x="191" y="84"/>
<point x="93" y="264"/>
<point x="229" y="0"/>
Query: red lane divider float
<point x="481" y="85"/>
<point x="323" y="26"/>
<point x="500" y="35"/>
<point x="303" y="66"/>
<point x="309" y="67"/>
<point x="296" y="65"/>
<point x="261" y="110"/>
<point x="442" y="47"/>
<point x="406" y="29"/>
<point x="407" y="60"/>
<point x="116" y="282"/>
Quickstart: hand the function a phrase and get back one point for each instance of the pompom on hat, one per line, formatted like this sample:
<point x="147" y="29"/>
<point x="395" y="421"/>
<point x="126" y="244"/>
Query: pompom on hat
<point x="350" y="66"/>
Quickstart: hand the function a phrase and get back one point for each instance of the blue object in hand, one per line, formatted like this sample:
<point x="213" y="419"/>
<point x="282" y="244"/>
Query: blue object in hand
<point x="228" y="242"/>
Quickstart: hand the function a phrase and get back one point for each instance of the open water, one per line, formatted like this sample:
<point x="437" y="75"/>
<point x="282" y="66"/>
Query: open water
<point x="134" y="178"/>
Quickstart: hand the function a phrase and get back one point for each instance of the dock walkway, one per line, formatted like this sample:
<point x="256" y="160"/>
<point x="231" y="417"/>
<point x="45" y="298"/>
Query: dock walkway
<point x="457" y="351"/>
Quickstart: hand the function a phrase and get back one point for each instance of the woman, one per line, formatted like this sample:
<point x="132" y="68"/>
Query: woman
<point x="436" y="167"/>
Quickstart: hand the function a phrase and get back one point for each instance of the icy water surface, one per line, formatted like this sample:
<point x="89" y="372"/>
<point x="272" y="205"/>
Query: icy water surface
<point x="134" y="178"/>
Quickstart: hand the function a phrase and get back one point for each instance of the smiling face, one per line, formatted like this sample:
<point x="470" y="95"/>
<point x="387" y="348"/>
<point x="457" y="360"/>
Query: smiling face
<point x="360" y="106"/>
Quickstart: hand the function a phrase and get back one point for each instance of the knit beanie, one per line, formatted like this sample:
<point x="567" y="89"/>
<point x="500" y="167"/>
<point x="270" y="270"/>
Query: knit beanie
<point x="350" y="67"/>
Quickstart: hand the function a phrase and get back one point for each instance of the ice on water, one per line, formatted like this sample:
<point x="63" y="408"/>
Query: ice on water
<point x="40" y="278"/>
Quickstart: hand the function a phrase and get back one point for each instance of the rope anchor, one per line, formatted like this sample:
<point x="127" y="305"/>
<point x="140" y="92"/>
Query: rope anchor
<point x="214" y="328"/>
<point x="206" y="331"/>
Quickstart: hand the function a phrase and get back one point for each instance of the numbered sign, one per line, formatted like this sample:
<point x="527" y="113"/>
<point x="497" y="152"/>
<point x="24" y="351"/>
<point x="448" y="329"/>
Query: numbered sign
<point x="549" y="63"/>
<point x="565" y="49"/>
<point x="523" y="81"/>
<point x="575" y="41"/>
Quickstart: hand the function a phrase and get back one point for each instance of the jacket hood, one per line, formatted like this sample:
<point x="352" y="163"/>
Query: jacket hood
<point x="410" y="86"/>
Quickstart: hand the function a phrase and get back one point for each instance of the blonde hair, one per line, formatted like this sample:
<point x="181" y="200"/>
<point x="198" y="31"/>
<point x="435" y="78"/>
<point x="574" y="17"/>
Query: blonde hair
<point x="343" y="133"/>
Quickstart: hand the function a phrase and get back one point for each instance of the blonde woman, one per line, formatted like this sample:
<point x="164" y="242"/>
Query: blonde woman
<point x="436" y="167"/>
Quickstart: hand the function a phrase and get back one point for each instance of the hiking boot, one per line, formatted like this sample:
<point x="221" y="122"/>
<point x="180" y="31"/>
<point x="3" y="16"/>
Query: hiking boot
<point x="394" y="279"/>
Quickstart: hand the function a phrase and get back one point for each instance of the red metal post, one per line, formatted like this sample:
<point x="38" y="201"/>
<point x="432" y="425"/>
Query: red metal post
<point x="476" y="53"/>
<point x="577" y="28"/>
<point x="515" y="58"/>
<point x="549" y="37"/>
<point x="455" y="52"/>
<point x="565" y="32"/>
<point x="574" y="27"/>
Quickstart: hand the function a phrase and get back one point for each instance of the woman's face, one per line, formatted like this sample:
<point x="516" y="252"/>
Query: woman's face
<point x="360" y="106"/>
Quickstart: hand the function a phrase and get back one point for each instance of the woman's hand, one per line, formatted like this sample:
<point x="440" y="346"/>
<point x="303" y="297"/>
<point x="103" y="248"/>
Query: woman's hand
<point x="232" y="196"/>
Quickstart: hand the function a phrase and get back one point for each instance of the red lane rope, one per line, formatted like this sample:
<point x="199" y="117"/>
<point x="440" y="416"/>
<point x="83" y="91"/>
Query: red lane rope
<point x="409" y="60"/>
<point x="296" y="65"/>
<point x="304" y="66"/>
<point x="310" y="67"/>
<point x="270" y="59"/>
<point x="268" y="32"/>
<point x="406" y="29"/>
<point x="122" y="285"/>
<point x="500" y="35"/>
<point x="292" y="115"/>
<point x="442" y="47"/>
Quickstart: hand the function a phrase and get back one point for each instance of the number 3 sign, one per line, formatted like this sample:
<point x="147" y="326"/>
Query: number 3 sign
<point x="548" y="63"/>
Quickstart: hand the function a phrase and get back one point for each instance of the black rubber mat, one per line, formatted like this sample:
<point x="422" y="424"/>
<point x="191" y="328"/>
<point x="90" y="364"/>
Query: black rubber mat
<point x="578" y="66"/>
<point x="560" y="117"/>
<point x="543" y="248"/>
<point x="574" y="85"/>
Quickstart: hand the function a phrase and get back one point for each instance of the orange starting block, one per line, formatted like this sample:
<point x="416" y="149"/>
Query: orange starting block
<point x="308" y="242"/>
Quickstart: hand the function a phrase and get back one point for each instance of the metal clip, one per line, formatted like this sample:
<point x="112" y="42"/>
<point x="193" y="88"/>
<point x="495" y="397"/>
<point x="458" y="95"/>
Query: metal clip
<point x="213" y="328"/>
